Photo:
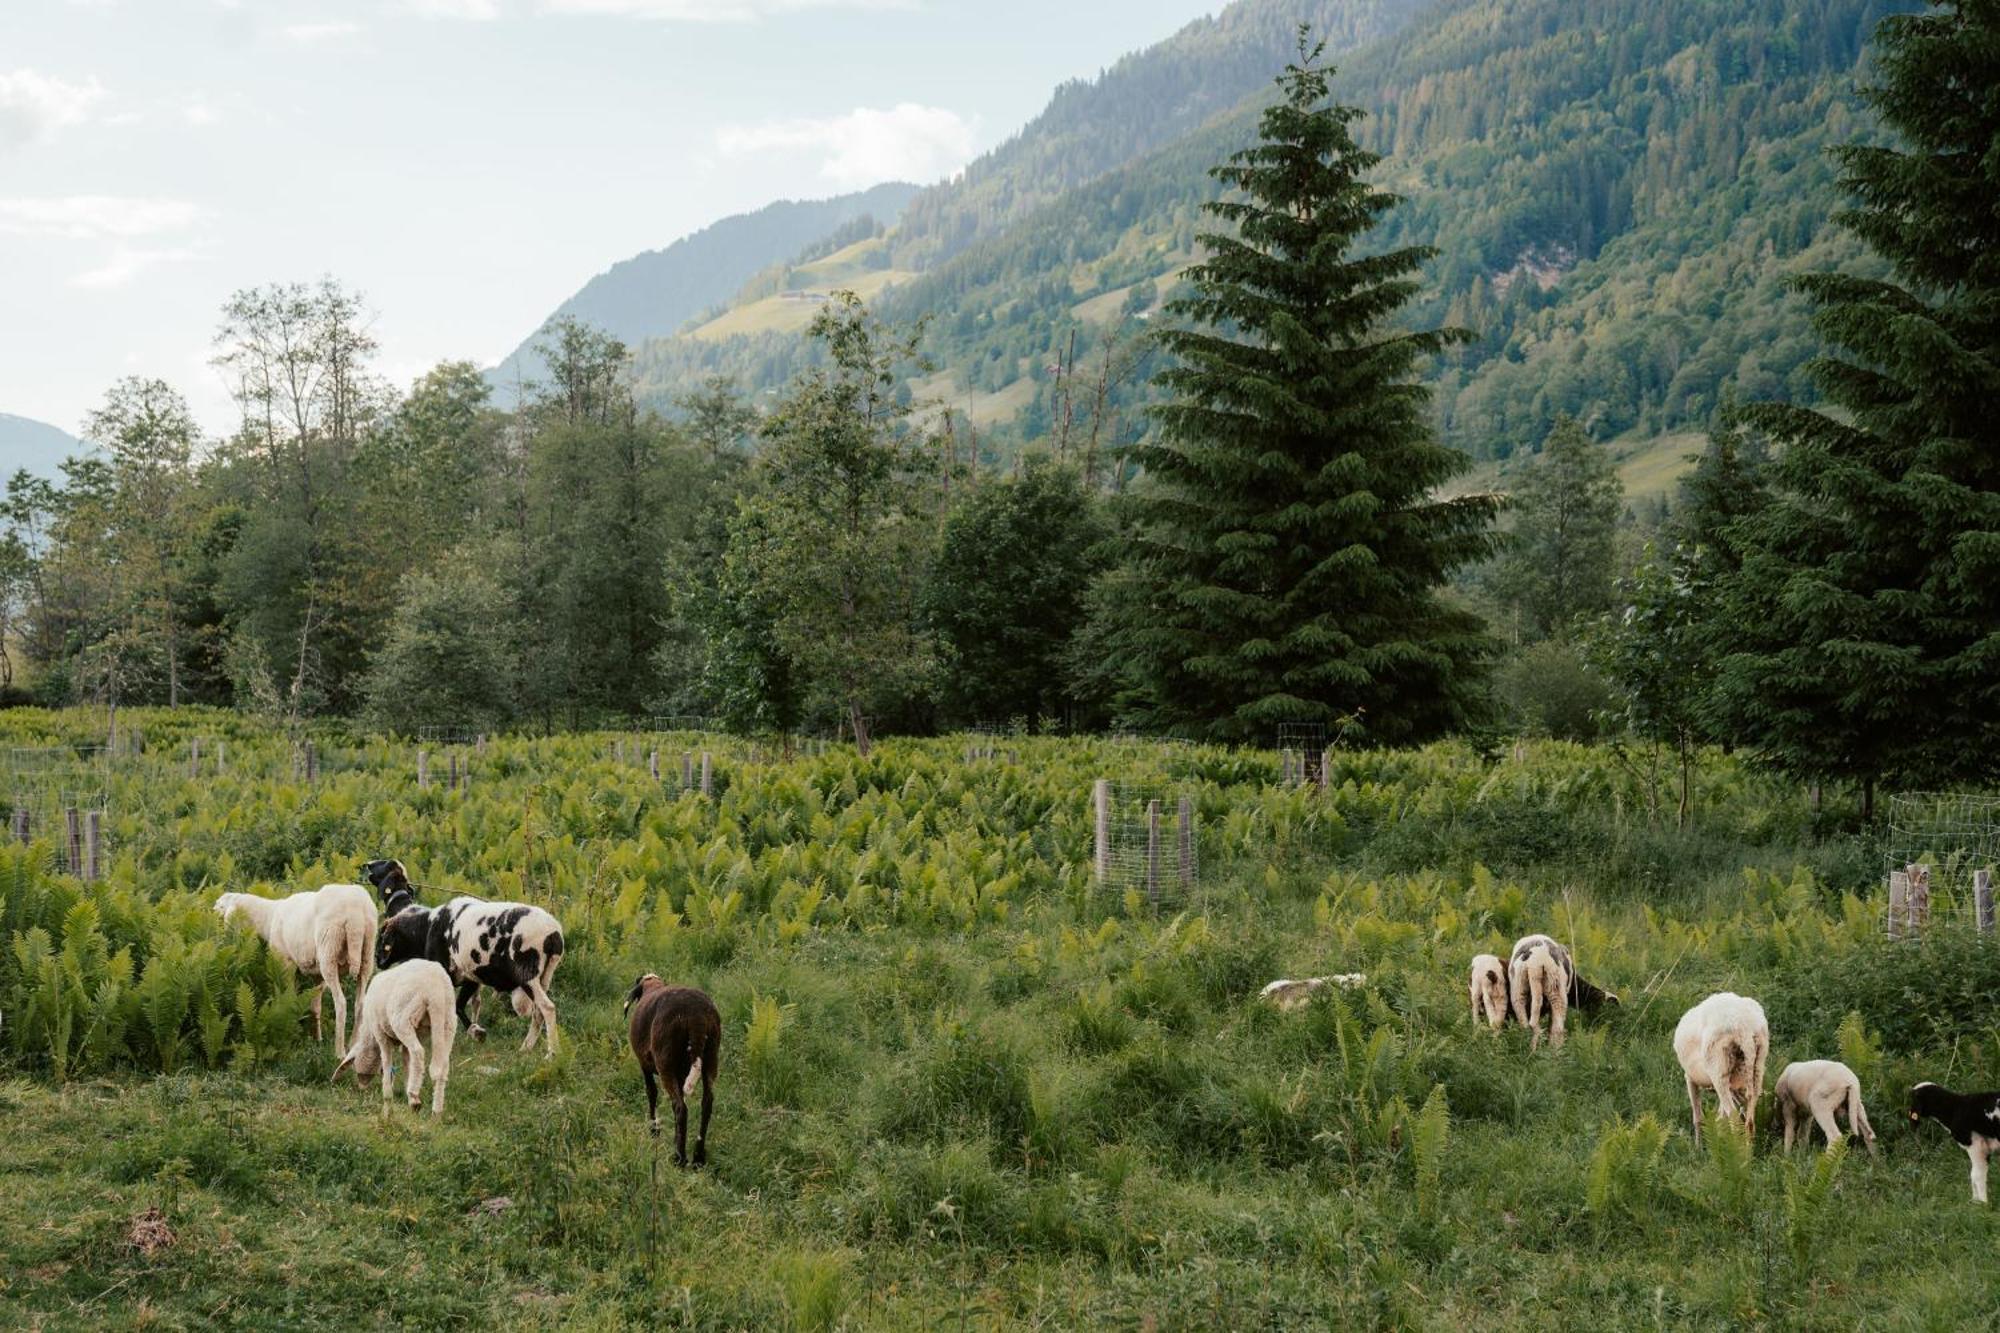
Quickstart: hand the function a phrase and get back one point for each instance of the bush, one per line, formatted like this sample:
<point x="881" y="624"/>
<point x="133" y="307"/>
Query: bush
<point x="1549" y="690"/>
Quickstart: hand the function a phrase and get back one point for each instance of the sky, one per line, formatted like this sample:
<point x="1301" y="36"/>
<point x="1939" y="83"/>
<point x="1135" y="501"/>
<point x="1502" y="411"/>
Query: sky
<point x="465" y="164"/>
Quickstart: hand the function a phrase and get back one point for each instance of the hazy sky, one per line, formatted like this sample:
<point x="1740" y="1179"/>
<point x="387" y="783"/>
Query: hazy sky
<point x="465" y="163"/>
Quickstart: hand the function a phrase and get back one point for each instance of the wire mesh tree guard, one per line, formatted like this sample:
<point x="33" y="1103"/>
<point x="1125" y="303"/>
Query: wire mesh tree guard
<point x="1302" y="753"/>
<point x="1940" y="854"/>
<point x="1145" y="837"/>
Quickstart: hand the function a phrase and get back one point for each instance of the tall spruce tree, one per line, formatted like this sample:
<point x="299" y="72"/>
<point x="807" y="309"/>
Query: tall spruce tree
<point x="1289" y="547"/>
<point x="1559" y="565"/>
<point x="1865" y="622"/>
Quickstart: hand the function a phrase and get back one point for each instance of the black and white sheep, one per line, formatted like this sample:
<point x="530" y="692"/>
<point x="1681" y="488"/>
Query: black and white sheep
<point x="1723" y="1043"/>
<point x="402" y="1005"/>
<point x="393" y="883"/>
<point x="676" y="1033"/>
<point x="1541" y="973"/>
<point x="511" y="947"/>
<point x="1819" y="1088"/>
<point x="1973" y="1119"/>
<point x="328" y="932"/>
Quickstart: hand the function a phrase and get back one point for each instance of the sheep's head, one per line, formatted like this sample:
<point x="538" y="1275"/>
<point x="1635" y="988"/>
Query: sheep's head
<point x="1923" y="1101"/>
<point x="650" y="981"/>
<point x="403" y="937"/>
<point x="364" y="1058"/>
<point x="228" y="905"/>
<point x="388" y="876"/>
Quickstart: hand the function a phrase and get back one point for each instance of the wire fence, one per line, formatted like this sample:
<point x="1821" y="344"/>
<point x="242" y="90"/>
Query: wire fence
<point x="76" y="822"/>
<point x="1940" y="855"/>
<point x="1146" y="839"/>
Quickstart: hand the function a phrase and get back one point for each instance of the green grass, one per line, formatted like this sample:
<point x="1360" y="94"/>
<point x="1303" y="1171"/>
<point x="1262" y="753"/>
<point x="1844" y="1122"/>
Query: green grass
<point x="1067" y="1111"/>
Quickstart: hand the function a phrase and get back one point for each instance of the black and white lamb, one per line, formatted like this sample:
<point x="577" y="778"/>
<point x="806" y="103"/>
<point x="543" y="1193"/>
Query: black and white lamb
<point x="1973" y="1119"/>
<point x="511" y="947"/>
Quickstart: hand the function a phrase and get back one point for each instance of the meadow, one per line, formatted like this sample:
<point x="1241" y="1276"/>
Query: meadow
<point x="962" y="1086"/>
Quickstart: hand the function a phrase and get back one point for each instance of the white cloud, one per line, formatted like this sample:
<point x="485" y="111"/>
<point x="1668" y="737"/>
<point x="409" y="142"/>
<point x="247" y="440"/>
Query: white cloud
<point x="477" y="10"/>
<point x="711" y="11"/>
<point x="200" y="114"/>
<point x="314" y="34"/>
<point x="127" y="263"/>
<point x="95" y="216"/>
<point x="33" y="104"/>
<point x="867" y="145"/>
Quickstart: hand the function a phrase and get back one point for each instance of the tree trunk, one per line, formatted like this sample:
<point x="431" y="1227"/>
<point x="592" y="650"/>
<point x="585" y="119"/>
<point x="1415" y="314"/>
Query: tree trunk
<point x="860" y="726"/>
<point x="1868" y="799"/>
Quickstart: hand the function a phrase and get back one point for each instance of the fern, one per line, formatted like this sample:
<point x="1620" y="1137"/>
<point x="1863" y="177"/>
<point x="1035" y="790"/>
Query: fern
<point x="1806" y="1196"/>
<point x="1429" y="1138"/>
<point x="1731" y="1183"/>
<point x="1860" y="1050"/>
<point x="1625" y="1167"/>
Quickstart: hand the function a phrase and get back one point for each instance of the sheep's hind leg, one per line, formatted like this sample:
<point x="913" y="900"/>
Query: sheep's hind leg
<point x="413" y="1050"/>
<point x="468" y="1009"/>
<point x="652" y="1101"/>
<point x="707" y="1107"/>
<point x="1977" y="1151"/>
<point x="1694" y="1107"/>
<point x="1823" y="1114"/>
<point x="545" y="1009"/>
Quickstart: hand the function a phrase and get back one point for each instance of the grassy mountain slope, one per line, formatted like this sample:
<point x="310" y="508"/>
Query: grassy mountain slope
<point x="652" y="295"/>
<point x="34" y="445"/>
<point x="1617" y="188"/>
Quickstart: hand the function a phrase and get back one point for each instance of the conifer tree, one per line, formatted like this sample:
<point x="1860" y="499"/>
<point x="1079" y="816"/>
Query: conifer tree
<point x="1559" y="565"/>
<point x="1289" y="547"/>
<point x="1865" y="622"/>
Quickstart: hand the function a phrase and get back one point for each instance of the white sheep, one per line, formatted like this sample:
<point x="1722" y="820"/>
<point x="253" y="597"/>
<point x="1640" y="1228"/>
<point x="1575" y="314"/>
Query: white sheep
<point x="1489" y="990"/>
<point x="1819" y="1088"/>
<point x="404" y="1002"/>
<point x="1538" y="974"/>
<point x="1288" y="995"/>
<point x="327" y="933"/>
<point x="1723" y="1043"/>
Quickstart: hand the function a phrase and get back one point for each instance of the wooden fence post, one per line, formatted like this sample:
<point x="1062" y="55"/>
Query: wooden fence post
<point x="1184" y="835"/>
<point x="653" y="765"/>
<point x="73" y="841"/>
<point x="1153" y="851"/>
<point x="22" y="831"/>
<point x="93" y="847"/>
<point x="1899" y="897"/>
<point x="1982" y="898"/>
<point x="194" y="758"/>
<point x="687" y="771"/>
<point x="1920" y="897"/>
<point x="454" y="771"/>
<point x="423" y="770"/>
<point x="1325" y="768"/>
<point x="707" y="775"/>
<point x="312" y="762"/>
<point x="1100" y="798"/>
<point x="221" y="757"/>
<point x="618" y="750"/>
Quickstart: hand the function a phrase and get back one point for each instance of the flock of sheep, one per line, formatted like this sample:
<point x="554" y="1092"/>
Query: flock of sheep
<point x="1722" y="1044"/>
<point x="420" y="971"/>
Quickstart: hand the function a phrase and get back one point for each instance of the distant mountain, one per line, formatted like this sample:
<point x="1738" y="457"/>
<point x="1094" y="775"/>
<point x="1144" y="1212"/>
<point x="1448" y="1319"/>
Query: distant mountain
<point x="653" y="294"/>
<point x="34" y="445"/>
<point x="1617" y="190"/>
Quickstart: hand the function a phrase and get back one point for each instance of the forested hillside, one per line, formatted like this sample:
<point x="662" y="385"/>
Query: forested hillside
<point x="653" y="294"/>
<point x="1617" y="193"/>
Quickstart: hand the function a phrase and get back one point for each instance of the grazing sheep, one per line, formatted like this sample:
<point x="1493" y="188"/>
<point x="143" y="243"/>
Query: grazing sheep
<point x="1290" y="995"/>
<point x="1973" y="1119"/>
<point x="512" y="947"/>
<point x="1722" y="1043"/>
<point x="404" y="1002"/>
<point x="324" y="933"/>
<point x="677" y="1034"/>
<point x="1819" y="1088"/>
<point x="1539" y="973"/>
<point x="1489" y="990"/>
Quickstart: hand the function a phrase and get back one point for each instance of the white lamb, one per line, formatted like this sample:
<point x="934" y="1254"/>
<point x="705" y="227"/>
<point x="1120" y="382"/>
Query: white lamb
<point x="404" y="1002"/>
<point x="1819" y="1088"/>
<point x="1723" y="1043"/>
<point x="1489" y="990"/>
<point x="1288" y="995"/>
<point x="326" y="933"/>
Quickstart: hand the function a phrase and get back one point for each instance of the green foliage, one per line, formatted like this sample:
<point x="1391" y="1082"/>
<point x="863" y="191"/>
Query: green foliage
<point x="1288" y="544"/>
<point x="1557" y="567"/>
<point x="1730" y="1184"/>
<point x="1807" y="1198"/>
<point x="1624" y="1173"/>
<point x="1006" y="594"/>
<point x="1863" y="612"/>
<point x="1549" y="689"/>
<point x="450" y="656"/>
<point x="1430" y="1139"/>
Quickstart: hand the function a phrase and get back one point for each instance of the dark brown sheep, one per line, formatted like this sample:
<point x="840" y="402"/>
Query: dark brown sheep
<point x="677" y="1035"/>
